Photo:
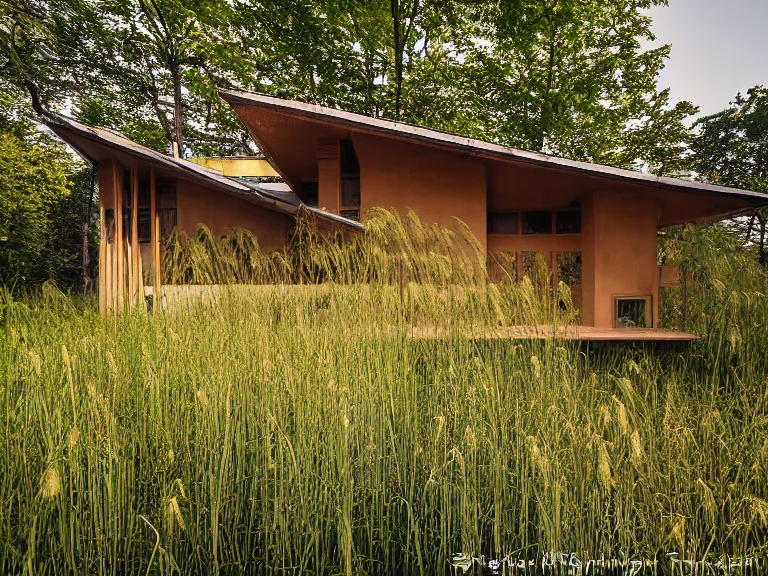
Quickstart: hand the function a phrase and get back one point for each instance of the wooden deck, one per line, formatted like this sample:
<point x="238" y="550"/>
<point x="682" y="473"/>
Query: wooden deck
<point x="579" y="333"/>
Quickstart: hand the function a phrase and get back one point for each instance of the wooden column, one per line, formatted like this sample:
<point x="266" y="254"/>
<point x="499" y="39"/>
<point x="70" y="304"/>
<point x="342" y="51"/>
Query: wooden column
<point x="116" y="255"/>
<point x="154" y="218"/>
<point x="329" y="174"/>
<point x="119" y="240"/>
<point x="135" y="266"/>
<point x="102" y="260"/>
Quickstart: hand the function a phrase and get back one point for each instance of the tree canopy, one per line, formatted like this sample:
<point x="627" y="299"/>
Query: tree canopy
<point x="731" y="149"/>
<point x="572" y="78"/>
<point x="569" y="77"/>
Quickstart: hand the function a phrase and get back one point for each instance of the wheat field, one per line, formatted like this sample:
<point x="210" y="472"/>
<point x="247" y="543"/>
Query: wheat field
<point x="303" y="427"/>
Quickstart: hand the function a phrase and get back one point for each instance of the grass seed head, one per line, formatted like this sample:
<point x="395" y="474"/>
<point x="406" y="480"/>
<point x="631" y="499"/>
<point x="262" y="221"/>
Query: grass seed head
<point x="174" y="514"/>
<point x="74" y="436"/>
<point x="621" y="415"/>
<point x="50" y="483"/>
<point x="604" y="468"/>
<point x="637" y="447"/>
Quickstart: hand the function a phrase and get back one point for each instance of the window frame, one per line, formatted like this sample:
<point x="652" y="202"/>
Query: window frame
<point x="517" y="223"/>
<point x="646" y="298"/>
<point x="556" y="220"/>
<point x="349" y="211"/>
<point x="520" y="215"/>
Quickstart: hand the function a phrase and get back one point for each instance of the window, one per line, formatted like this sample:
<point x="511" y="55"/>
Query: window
<point x="349" y="164"/>
<point x="145" y="222"/>
<point x="350" y="191"/>
<point x="632" y="312"/>
<point x="126" y="203"/>
<point x="531" y="264"/>
<point x="537" y="222"/>
<point x="568" y="221"/>
<point x="309" y="194"/>
<point x="569" y="268"/>
<point x="503" y="222"/>
<point x="166" y="208"/>
<point x="350" y="181"/>
<point x="109" y="224"/>
<point x="502" y="266"/>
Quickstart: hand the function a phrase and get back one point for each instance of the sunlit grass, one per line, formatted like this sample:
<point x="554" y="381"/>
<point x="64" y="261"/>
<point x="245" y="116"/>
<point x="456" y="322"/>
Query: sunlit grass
<point x="304" y="429"/>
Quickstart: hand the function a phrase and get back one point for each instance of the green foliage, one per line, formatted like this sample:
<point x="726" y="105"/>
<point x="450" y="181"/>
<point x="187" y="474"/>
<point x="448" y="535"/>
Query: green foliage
<point x="357" y="429"/>
<point x="42" y="42"/>
<point x="566" y="77"/>
<point x="34" y="188"/>
<point x="570" y="78"/>
<point x="723" y="296"/>
<point x="731" y="149"/>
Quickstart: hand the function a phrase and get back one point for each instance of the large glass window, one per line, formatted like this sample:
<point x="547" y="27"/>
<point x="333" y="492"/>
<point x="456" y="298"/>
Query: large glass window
<point x="568" y="221"/>
<point x="350" y="192"/>
<point x="166" y="208"/>
<point x="539" y="222"/>
<point x="569" y="268"/>
<point x="503" y="222"/>
<point x="309" y="194"/>
<point x="349" y="163"/>
<point x="350" y="181"/>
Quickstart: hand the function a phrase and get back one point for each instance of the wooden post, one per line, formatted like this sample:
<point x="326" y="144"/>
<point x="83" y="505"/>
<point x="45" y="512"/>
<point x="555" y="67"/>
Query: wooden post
<point x="135" y="266"/>
<point x="119" y="243"/>
<point x="109" y="277"/>
<point x="103" y="262"/>
<point x="154" y="218"/>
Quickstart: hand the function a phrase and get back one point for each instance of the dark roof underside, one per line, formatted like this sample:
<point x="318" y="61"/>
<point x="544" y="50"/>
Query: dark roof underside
<point x="97" y="144"/>
<point x="725" y="200"/>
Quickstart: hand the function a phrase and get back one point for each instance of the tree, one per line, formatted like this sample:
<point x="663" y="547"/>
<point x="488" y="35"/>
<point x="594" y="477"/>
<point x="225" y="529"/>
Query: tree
<point x="41" y="46"/>
<point x="34" y="192"/>
<point x="160" y="62"/>
<point x="569" y="77"/>
<point x="731" y="149"/>
<point x="46" y="234"/>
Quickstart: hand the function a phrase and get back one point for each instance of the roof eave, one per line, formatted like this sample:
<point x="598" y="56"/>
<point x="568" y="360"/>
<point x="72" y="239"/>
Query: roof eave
<point x="453" y="142"/>
<point x="63" y="127"/>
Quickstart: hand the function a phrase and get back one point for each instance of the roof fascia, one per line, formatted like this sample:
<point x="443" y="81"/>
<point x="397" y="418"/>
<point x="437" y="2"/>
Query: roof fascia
<point x="456" y="143"/>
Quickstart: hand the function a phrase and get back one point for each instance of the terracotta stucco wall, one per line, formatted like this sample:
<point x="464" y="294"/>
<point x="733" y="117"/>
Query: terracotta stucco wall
<point x="223" y="213"/>
<point x="534" y="243"/>
<point x="521" y="188"/>
<point x="107" y="184"/>
<point x="329" y="175"/>
<point x="438" y="186"/>
<point x="619" y="253"/>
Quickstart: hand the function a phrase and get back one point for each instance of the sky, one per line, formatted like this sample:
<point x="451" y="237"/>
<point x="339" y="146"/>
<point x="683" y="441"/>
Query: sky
<point x="719" y="48"/>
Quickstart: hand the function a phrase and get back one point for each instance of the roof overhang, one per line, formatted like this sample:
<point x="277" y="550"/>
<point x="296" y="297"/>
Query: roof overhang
<point x="726" y="201"/>
<point x="97" y="144"/>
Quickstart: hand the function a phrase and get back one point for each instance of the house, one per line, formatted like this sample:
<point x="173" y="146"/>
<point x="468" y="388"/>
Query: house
<point x="145" y="195"/>
<point x="600" y="220"/>
<point x="595" y="226"/>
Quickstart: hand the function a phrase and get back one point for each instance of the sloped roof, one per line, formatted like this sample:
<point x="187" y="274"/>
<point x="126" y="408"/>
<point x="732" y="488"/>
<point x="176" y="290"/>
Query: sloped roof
<point x="479" y="148"/>
<point x="93" y="144"/>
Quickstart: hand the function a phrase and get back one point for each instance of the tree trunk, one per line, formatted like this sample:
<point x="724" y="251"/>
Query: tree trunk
<point x="545" y="105"/>
<point x="178" y="112"/>
<point x="86" y="227"/>
<point x="763" y="260"/>
<point x="395" y="5"/>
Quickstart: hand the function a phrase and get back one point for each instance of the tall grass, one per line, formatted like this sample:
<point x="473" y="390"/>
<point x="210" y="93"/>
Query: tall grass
<point x="307" y="429"/>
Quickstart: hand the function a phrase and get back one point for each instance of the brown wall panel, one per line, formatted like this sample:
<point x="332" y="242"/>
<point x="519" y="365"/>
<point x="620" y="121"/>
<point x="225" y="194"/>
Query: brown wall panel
<point x="223" y="213"/>
<point x="438" y="186"/>
<point x="624" y="245"/>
